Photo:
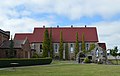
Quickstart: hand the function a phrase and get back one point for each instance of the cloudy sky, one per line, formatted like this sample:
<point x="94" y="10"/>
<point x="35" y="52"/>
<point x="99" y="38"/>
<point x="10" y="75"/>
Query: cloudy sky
<point x="23" y="15"/>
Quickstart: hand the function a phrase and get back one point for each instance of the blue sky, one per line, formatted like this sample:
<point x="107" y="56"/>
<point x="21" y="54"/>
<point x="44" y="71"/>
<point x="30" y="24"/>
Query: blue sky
<point x="19" y="16"/>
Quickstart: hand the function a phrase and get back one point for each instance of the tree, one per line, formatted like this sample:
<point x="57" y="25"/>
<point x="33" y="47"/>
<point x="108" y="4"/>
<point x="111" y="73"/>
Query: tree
<point x="92" y="46"/>
<point x="83" y="43"/>
<point x="61" y="46"/>
<point x="76" y="45"/>
<point x="35" y="55"/>
<point x="114" y="53"/>
<point x="46" y="44"/>
<point x="11" y="51"/>
<point x="66" y="51"/>
<point x="51" y="45"/>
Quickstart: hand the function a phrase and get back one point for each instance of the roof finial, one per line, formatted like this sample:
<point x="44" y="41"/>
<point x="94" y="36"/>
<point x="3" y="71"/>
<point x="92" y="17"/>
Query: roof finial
<point x="43" y="26"/>
<point x="57" y="26"/>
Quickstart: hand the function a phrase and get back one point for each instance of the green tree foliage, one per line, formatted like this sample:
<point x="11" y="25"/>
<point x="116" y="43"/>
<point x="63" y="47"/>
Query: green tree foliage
<point x="46" y="44"/>
<point x="76" y="45"/>
<point x="35" y="55"/>
<point x="83" y="43"/>
<point x="66" y="51"/>
<point x="92" y="46"/>
<point x="114" y="53"/>
<point x="61" y="46"/>
<point x="51" y="45"/>
<point x="11" y="51"/>
<point x="87" y="60"/>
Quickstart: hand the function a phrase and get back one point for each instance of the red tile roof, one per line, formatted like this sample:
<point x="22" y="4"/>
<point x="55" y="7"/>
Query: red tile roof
<point x="22" y="36"/>
<point x="69" y="34"/>
<point x="102" y="45"/>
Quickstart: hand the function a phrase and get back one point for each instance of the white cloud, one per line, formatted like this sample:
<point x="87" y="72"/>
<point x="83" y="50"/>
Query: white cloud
<point x="10" y="16"/>
<point x="109" y="33"/>
<point x="23" y="25"/>
<point x="70" y="8"/>
<point x="73" y="9"/>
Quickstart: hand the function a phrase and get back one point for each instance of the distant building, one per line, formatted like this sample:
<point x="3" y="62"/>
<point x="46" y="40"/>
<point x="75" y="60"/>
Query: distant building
<point x="110" y="57"/>
<point x="4" y="35"/>
<point x="69" y="36"/>
<point x="22" y="47"/>
<point x="99" y="53"/>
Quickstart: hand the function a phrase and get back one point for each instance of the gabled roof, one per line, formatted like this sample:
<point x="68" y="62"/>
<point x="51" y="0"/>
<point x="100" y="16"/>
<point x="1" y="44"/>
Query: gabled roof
<point x="23" y="36"/>
<point x="102" y="45"/>
<point x="69" y="34"/>
<point x="5" y="32"/>
<point x="17" y="44"/>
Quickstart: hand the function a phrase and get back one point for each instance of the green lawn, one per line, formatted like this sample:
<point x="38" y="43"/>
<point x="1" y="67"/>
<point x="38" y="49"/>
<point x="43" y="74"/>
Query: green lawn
<point x="64" y="68"/>
<point x="114" y="61"/>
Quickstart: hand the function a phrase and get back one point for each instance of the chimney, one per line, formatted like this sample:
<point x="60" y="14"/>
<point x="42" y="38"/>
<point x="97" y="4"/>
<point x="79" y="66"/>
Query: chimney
<point x="85" y="26"/>
<point x="57" y="26"/>
<point x="43" y="26"/>
<point x="71" y="26"/>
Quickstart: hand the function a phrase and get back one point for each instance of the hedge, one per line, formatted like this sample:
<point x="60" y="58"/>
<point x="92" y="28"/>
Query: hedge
<point x="87" y="60"/>
<point x="24" y="62"/>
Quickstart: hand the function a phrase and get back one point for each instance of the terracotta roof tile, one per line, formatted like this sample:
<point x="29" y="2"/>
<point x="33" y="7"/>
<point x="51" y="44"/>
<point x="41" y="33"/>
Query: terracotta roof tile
<point x="102" y="45"/>
<point x="22" y="36"/>
<point x="69" y="34"/>
<point x="17" y="44"/>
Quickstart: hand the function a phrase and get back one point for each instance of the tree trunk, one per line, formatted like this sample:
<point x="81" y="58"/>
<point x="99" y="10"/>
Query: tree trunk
<point x="116" y="60"/>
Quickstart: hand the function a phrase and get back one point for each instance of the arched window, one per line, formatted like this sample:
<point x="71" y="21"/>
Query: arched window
<point x="33" y="46"/>
<point x="41" y="48"/>
<point x="97" y="52"/>
<point x="87" y="46"/>
<point x="79" y="46"/>
<point x="56" y="48"/>
<point x="71" y="48"/>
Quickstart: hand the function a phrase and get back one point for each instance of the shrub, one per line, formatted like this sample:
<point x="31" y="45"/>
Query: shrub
<point x="100" y="62"/>
<point x="56" y="58"/>
<point x="87" y="60"/>
<point x="73" y="58"/>
<point x="24" y="62"/>
<point x="35" y="55"/>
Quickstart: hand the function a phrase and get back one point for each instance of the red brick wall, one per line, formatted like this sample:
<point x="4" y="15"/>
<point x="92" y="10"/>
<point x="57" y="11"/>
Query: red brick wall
<point x="23" y="52"/>
<point x="3" y="37"/>
<point x="0" y="38"/>
<point x="19" y="53"/>
<point x="26" y="49"/>
<point x="2" y="53"/>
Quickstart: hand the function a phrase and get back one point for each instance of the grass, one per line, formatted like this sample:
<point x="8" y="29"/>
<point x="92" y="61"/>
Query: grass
<point x="114" y="61"/>
<point x="64" y="68"/>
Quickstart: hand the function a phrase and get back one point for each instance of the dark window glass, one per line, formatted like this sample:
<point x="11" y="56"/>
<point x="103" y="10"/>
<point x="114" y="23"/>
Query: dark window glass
<point x="56" y="48"/>
<point x="40" y="48"/>
<point x="87" y="48"/>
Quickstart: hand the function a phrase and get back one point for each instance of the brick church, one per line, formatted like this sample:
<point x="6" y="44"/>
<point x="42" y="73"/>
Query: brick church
<point x="69" y="36"/>
<point x="21" y="48"/>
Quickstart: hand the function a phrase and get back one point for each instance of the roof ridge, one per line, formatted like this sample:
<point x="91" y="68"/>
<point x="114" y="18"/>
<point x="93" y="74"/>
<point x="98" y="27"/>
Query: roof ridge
<point x="68" y="34"/>
<point x="61" y="27"/>
<point x="23" y="33"/>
